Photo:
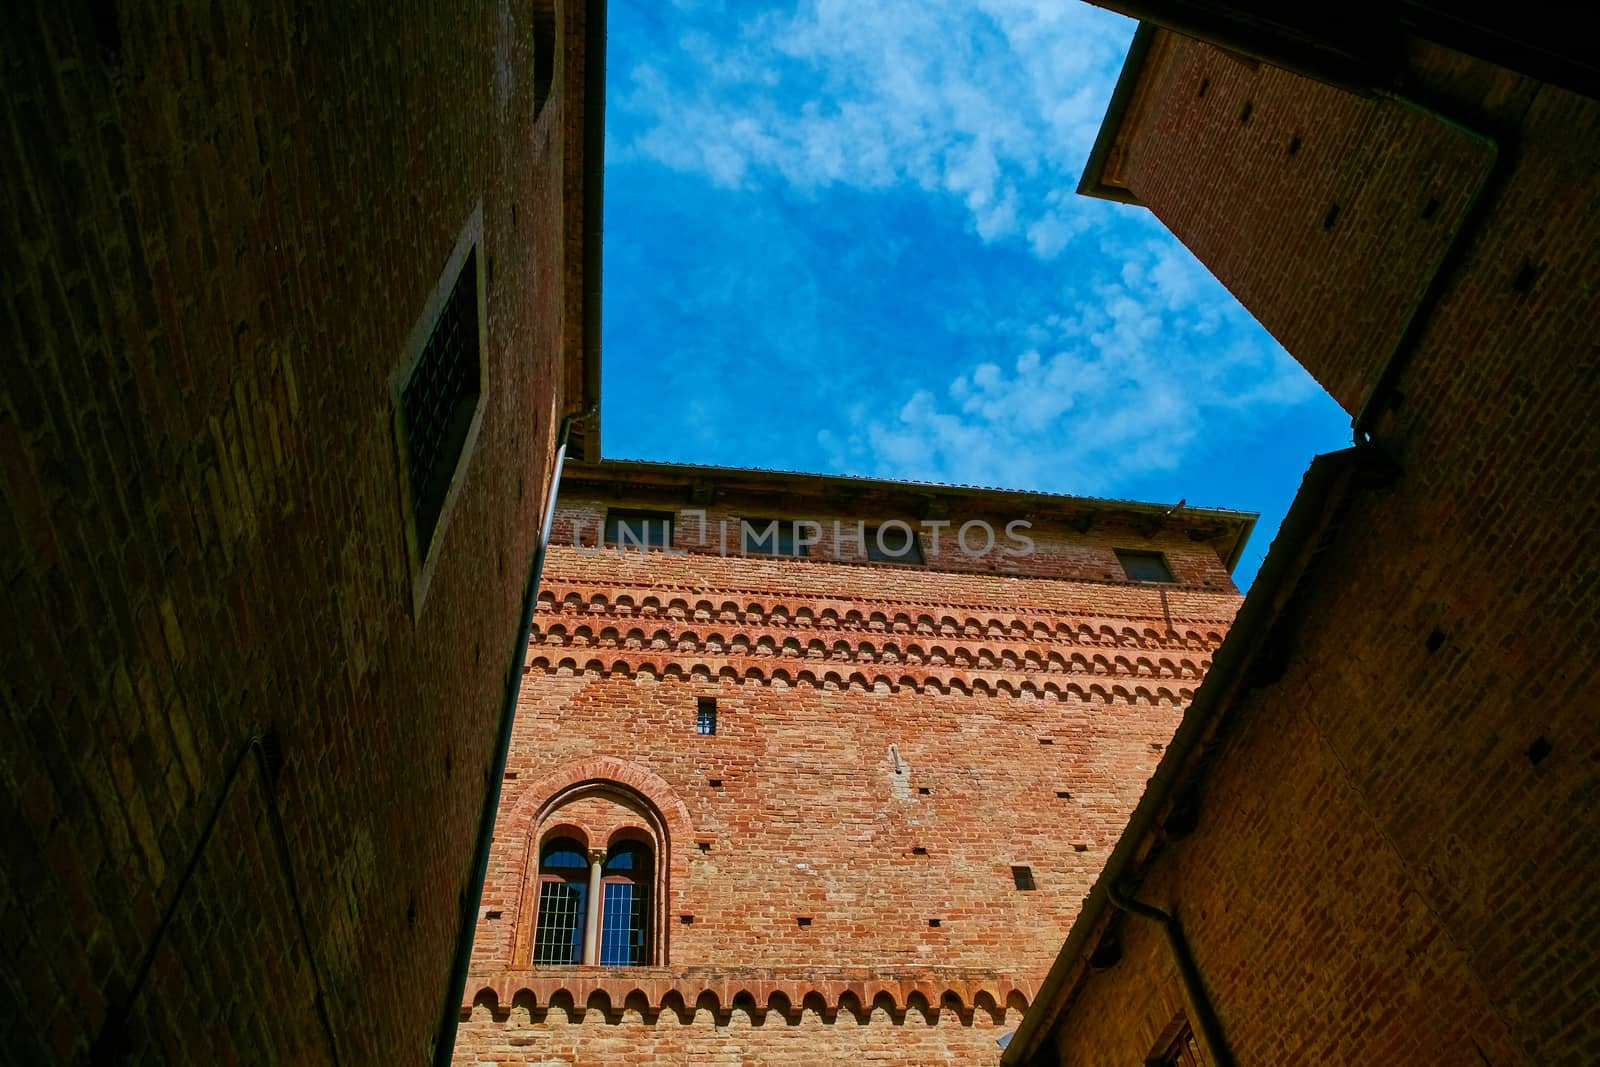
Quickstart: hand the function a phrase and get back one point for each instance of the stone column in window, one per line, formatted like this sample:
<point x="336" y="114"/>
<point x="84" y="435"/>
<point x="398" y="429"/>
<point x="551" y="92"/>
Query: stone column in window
<point x="591" y="930"/>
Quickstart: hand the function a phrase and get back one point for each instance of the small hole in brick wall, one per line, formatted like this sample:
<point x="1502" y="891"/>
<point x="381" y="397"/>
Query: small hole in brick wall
<point x="1062" y="794"/>
<point x="1523" y="282"/>
<point x="1023" y="877"/>
<point x="924" y="790"/>
<point x="705" y="846"/>
<point x="1430" y="209"/>
<point x="1157" y="746"/>
<point x="687" y="920"/>
<point x="1294" y="145"/>
<point x="1539" y="750"/>
<point x="935" y="923"/>
<point x="1244" y="112"/>
<point x="1080" y="847"/>
<point x="1331" y="217"/>
<point x="511" y="774"/>
<point x="1205" y="83"/>
<point x="1047" y="740"/>
<point x="919" y="850"/>
<point x="802" y="920"/>
<point x="491" y="915"/>
<point x="1435" y="640"/>
<point x="716" y="783"/>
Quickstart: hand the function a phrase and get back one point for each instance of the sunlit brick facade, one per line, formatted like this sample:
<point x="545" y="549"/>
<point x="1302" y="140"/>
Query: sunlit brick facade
<point x="914" y="773"/>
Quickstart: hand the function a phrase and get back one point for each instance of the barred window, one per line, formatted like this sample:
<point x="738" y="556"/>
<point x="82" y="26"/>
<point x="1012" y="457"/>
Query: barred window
<point x="563" y="903"/>
<point x="625" y="915"/>
<point x="438" y="401"/>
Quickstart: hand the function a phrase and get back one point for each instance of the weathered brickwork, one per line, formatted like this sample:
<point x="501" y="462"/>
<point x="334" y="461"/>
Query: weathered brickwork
<point x="221" y="223"/>
<point x="891" y="741"/>
<point x="1392" y="855"/>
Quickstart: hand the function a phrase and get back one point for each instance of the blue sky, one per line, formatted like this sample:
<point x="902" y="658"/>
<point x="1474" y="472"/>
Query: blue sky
<point x="843" y="238"/>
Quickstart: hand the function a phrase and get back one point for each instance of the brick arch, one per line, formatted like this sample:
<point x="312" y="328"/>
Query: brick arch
<point x="555" y="788"/>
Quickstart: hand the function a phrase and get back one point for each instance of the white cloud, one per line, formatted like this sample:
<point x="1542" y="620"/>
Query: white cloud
<point x="994" y="105"/>
<point x="1117" y="391"/>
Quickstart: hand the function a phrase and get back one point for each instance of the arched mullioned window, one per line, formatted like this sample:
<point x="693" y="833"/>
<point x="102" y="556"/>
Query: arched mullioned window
<point x="626" y="878"/>
<point x="563" y="903"/>
<point x="596" y="887"/>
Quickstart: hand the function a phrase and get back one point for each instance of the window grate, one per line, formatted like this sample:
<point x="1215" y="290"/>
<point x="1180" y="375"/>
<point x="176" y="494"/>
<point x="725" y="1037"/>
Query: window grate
<point x="623" y="926"/>
<point x="705" y="722"/>
<point x="438" y="401"/>
<point x="559" y="939"/>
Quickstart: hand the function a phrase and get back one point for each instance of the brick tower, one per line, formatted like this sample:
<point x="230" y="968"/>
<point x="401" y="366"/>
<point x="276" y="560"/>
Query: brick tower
<point x="789" y="785"/>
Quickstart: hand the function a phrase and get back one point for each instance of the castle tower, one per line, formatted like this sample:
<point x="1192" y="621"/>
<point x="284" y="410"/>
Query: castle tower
<point x="805" y="767"/>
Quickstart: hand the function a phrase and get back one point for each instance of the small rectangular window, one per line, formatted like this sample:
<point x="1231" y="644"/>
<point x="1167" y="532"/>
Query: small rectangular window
<point x="893" y="543"/>
<point x="705" y="721"/>
<point x="769" y="537"/>
<point x="1182" y="1050"/>
<point x="634" y="529"/>
<point x="1144" y="566"/>
<point x="1023" y="877"/>
<point x="438" y="392"/>
<point x="438" y="400"/>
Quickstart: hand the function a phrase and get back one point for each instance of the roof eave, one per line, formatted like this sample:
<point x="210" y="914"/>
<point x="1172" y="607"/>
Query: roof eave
<point x="1093" y="182"/>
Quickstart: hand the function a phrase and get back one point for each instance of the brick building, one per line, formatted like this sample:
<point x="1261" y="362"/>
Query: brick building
<point x="1374" y="838"/>
<point x="294" y="305"/>
<point x="803" y="809"/>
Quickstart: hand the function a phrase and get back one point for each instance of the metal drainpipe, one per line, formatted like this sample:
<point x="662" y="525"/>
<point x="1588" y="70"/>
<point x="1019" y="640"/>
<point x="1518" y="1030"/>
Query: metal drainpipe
<point x="1422" y="312"/>
<point x="1188" y="974"/>
<point x="445" y="1041"/>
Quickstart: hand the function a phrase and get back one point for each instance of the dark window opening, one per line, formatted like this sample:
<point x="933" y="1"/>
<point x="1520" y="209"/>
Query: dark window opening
<point x="769" y="537"/>
<point x="893" y="543"/>
<point x="1144" y="566"/>
<point x="629" y="528"/>
<point x="705" y="721"/>
<point x="438" y="400"/>
<point x="1023" y="877"/>
<point x="1182" y="1051"/>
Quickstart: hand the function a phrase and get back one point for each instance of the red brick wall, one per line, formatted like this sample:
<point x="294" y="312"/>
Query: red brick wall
<point x="1390" y="865"/>
<point x="222" y="222"/>
<point x="999" y="694"/>
<point x="1355" y="197"/>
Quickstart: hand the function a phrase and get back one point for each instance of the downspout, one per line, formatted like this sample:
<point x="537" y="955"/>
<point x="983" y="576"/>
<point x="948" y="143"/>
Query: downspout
<point x="1472" y="216"/>
<point x="445" y="1041"/>
<point x="1188" y="973"/>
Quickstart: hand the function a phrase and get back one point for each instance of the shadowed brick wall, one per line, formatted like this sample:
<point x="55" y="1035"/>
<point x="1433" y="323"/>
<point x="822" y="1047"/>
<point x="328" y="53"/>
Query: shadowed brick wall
<point x="1393" y="852"/>
<point x="221" y="223"/>
<point x="1026" y="711"/>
